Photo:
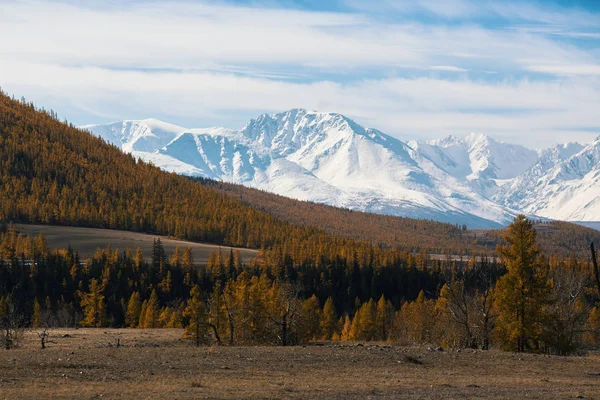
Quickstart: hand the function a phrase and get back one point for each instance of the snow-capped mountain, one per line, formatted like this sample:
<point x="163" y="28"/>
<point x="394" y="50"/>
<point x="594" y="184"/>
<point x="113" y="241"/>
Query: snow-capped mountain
<point x="564" y="184"/>
<point x="328" y="158"/>
<point x="482" y="162"/>
<point x="145" y="135"/>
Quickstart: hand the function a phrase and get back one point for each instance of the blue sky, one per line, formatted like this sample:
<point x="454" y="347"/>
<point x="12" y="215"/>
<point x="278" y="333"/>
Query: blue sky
<point x="521" y="71"/>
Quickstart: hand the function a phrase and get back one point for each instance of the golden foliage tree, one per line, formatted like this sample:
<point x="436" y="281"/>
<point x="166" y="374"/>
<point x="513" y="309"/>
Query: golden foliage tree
<point x="134" y="308"/>
<point x="195" y="312"/>
<point x="521" y="294"/>
<point x="329" y="320"/>
<point x="94" y="308"/>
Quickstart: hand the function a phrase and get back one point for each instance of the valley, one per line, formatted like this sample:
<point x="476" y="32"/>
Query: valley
<point x="299" y="199"/>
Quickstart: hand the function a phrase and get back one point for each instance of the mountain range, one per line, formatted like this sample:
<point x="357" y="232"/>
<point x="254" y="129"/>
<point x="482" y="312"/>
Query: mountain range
<point x="328" y="158"/>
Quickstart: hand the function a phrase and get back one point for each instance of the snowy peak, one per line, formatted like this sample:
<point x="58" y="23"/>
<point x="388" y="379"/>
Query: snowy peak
<point x="285" y="133"/>
<point x="563" y="184"/>
<point x="478" y="160"/>
<point x="137" y="135"/>
<point x="329" y="158"/>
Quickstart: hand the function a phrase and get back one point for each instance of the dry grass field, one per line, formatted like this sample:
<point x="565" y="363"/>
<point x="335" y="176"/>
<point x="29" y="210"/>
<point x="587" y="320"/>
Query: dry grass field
<point x="158" y="364"/>
<point x="87" y="240"/>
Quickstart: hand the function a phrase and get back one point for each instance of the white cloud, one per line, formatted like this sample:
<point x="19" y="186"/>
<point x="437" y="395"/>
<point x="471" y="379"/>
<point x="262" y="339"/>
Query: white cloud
<point x="400" y="106"/>
<point x="195" y="61"/>
<point x="448" y="68"/>
<point x="590" y="69"/>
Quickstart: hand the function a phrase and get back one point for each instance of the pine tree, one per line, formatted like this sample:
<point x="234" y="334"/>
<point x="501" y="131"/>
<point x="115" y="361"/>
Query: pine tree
<point x="521" y="294"/>
<point x="134" y="308"/>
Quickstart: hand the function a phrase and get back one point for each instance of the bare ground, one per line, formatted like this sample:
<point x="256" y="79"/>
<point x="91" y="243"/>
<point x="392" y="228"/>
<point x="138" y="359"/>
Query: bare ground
<point x="87" y="240"/>
<point x="158" y="364"/>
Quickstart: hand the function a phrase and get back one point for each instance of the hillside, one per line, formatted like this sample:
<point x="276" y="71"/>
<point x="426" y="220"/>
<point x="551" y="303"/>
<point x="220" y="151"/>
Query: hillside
<point x="54" y="173"/>
<point x="556" y="237"/>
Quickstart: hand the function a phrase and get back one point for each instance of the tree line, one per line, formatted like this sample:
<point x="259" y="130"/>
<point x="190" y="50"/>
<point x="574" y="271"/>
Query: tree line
<point x="528" y="302"/>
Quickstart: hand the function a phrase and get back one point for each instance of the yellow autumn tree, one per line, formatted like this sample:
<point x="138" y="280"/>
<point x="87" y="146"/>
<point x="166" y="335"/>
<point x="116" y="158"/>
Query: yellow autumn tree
<point x="92" y="303"/>
<point x="152" y="312"/>
<point x="310" y="320"/>
<point x="521" y="294"/>
<point x="346" y="327"/>
<point x="417" y="320"/>
<point x="329" y="320"/>
<point x="37" y="317"/>
<point x="195" y="312"/>
<point x="384" y="317"/>
<point x="134" y="308"/>
<point x="142" y="320"/>
<point x="592" y="328"/>
<point x="363" y="325"/>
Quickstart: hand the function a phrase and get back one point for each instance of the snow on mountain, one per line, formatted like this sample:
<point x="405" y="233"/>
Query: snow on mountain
<point x="328" y="158"/>
<point x="479" y="160"/>
<point x="145" y="135"/>
<point x="564" y="184"/>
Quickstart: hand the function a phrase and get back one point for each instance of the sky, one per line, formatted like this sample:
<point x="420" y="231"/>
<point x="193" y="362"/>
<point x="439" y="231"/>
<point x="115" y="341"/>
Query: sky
<point x="525" y="72"/>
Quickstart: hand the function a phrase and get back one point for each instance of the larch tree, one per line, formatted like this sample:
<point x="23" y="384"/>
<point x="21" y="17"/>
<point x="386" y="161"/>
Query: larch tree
<point x="384" y="317"/>
<point x="329" y="320"/>
<point x="134" y="308"/>
<point x="94" y="308"/>
<point x="310" y="319"/>
<point x="142" y="321"/>
<point x="523" y="293"/>
<point x="37" y="314"/>
<point x="346" y="328"/>
<point x="152" y="314"/>
<point x="195" y="312"/>
<point x="458" y="304"/>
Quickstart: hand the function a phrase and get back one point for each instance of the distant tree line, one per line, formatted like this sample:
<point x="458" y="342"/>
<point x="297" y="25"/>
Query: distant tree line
<point x="526" y="303"/>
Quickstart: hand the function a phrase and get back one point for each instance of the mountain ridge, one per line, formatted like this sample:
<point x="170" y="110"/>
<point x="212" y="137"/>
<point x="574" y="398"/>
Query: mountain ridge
<point x="331" y="159"/>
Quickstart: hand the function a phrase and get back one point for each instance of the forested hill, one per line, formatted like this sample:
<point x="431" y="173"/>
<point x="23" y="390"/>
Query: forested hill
<point x="562" y="238"/>
<point x="53" y="173"/>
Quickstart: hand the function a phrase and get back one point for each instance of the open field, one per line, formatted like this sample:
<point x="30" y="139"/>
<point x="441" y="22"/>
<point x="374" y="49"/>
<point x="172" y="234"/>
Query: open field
<point x="158" y="364"/>
<point x="87" y="240"/>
